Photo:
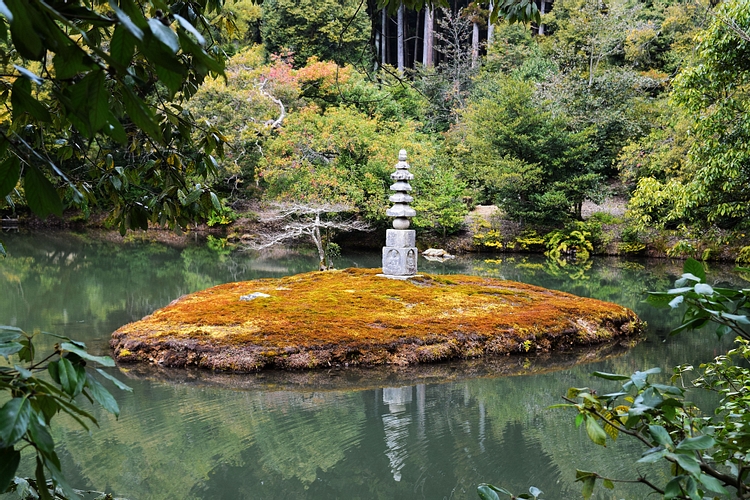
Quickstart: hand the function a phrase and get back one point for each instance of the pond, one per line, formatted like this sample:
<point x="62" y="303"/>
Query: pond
<point x="432" y="433"/>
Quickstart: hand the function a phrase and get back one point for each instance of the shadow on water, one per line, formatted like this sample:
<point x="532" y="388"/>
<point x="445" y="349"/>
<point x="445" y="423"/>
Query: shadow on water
<point x="393" y="433"/>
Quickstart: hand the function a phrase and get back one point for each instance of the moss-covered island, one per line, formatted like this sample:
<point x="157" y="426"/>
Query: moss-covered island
<point x="354" y="318"/>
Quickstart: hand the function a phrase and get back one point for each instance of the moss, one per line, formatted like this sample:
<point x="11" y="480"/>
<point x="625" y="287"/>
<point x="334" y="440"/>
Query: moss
<point x="353" y="317"/>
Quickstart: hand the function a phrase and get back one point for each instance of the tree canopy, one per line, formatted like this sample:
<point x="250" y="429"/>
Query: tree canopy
<point x="94" y="89"/>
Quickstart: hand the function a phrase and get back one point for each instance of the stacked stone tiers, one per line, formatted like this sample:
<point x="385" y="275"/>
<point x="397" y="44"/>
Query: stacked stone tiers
<point x="400" y="251"/>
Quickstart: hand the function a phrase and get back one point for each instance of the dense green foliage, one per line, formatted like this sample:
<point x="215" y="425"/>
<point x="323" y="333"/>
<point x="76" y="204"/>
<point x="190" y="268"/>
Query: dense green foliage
<point x="93" y="90"/>
<point x="329" y="30"/>
<point x="26" y="417"/>
<point x="708" y="456"/>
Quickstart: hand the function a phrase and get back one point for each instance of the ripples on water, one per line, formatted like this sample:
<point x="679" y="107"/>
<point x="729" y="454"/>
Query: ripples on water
<point x="383" y="435"/>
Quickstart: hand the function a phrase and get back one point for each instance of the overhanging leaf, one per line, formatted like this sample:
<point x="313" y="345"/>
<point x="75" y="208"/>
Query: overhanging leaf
<point x="69" y="377"/>
<point x="610" y="376"/>
<point x="41" y="195"/>
<point x="102" y="395"/>
<point x="10" y="173"/>
<point x="10" y="348"/>
<point x="712" y="484"/>
<point x="112" y="379"/>
<point x="41" y="436"/>
<point x="704" y="289"/>
<point x="9" y="460"/>
<point x="125" y="21"/>
<point x="696" y="443"/>
<point x="102" y="360"/>
<point x="141" y="115"/>
<point x="164" y="34"/>
<point x="595" y="432"/>
<point x="486" y="493"/>
<point x="14" y="421"/>
<point x="660" y="435"/>
<point x="190" y="29"/>
<point x="687" y="462"/>
<point x="23" y="102"/>
<point x="695" y="268"/>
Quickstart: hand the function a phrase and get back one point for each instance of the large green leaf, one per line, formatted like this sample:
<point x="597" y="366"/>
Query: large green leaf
<point x="41" y="195"/>
<point x="22" y="101"/>
<point x="9" y="348"/>
<point x="53" y="465"/>
<point x="9" y="335"/>
<point x="23" y="33"/>
<point x="673" y="489"/>
<point x="40" y="435"/>
<point x="687" y="462"/>
<point x="14" y="421"/>
<point x="10" y="173"/>
<point x="595" y="431"/>
<point x="190" y="29"/>
<point x="9" y="460"/>
<point x="40" y="479"/>
<point x="122" y="46"/>
<point x="112" y="379"/>
<point x="98" y="101"/>
<point x="172" y="80"/>
<point x="164" y="34"/>
<point x="696" y="443"/>
<point x="489" y="492"/>
<point x="125" y="21"/>
<point x="712" y="484"/>
<point x="69" y="377"/>
<point x="660" y="435"/>
<point x="141" y="115"/>
<point x="695" y="268"/>
<point x="102" y="395"/>
<point x="102" y="360"/>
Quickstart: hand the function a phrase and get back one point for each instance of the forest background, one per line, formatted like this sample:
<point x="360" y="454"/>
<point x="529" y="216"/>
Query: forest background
<point x="310" y="102"/>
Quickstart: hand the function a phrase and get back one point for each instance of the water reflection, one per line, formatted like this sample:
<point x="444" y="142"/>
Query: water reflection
<point x="433" y="432"/>
<point x="396" y="427"/>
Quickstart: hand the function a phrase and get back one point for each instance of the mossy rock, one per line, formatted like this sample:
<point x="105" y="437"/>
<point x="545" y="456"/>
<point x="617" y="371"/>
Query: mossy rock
<point x="355" y="318"/>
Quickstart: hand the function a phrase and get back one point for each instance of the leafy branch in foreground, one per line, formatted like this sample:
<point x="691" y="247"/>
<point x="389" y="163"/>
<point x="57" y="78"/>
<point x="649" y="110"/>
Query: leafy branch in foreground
<point x="708" y="455"/>
<point x="726" y="307"/>
<point x="26" y="416"/>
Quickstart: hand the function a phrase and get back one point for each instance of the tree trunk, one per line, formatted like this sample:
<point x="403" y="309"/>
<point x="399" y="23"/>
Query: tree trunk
<point x="319" y="243"/>
<point x="475" y="45"/>
<point x="384" y="37"/>
<point x="377" y="50"/>
<point x="400" y="39"/>
<point x="429" y="26"/>
<point x="542" y="10"/>
<point x="416" y="45"/>
<point x="491" y="26"/>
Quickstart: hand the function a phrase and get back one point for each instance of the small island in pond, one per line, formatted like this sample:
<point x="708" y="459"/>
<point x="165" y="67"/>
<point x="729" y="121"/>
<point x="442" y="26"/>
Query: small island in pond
<point x="353" y="317"/>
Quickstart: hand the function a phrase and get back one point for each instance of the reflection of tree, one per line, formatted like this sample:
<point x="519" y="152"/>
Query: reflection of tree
<point x="172" y="447"/>
<point x="312" y="435"/>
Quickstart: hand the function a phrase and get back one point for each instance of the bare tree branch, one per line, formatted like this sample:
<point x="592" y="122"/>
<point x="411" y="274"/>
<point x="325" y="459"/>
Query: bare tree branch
<point x="318" y="221"/>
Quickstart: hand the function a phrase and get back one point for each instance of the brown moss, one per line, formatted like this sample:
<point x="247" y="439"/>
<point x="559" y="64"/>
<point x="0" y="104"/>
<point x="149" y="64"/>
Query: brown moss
<point x="352" y="317"/>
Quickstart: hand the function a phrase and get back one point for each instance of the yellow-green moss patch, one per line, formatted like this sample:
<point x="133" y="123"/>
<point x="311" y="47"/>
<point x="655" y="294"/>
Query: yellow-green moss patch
<point x="352" y="317"/>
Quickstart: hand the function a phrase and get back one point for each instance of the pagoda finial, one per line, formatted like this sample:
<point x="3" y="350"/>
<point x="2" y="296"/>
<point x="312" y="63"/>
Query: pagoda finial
<point x="401" y="209"/>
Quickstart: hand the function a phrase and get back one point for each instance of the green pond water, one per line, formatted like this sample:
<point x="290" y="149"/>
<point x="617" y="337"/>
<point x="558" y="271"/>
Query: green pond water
<point x="434" y="432"/>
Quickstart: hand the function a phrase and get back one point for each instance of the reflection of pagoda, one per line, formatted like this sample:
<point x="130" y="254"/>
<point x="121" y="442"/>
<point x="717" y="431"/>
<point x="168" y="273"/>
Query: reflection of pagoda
<point x="396" y="426"/>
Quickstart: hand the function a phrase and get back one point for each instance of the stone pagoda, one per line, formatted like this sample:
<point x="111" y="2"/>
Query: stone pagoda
<point x="400" y="251"/>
